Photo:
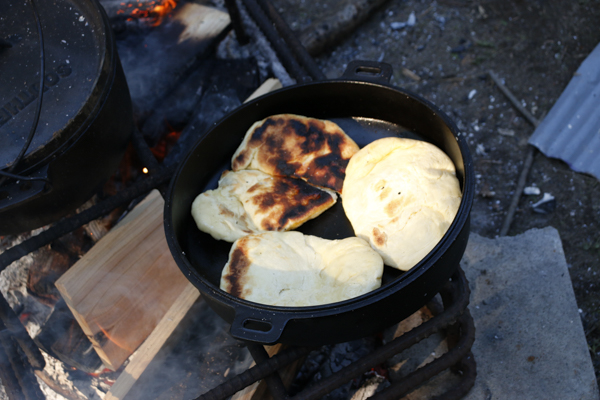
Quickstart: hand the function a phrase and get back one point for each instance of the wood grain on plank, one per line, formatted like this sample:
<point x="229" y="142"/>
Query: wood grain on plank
<point x="124" y="285"/>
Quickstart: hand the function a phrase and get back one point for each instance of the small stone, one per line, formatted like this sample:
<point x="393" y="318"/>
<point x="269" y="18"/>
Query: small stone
<point x="546" y="205"/>
<point x="396" y="26"/>
<point x="531" y="191"/>
<point x="506" y="132"/>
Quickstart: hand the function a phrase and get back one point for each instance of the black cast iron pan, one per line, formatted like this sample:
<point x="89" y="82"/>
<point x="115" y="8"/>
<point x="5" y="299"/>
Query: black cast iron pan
<point x="367" y="108"/>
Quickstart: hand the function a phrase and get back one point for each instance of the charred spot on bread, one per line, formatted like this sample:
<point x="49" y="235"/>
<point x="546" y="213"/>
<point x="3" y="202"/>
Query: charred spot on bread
<point x="225" y="211"/>
<point x="379" y="237"/>
<point x="293" y="269"/>
<point x="253" y="201"/>
<point x="288" y="200"/>
<point x="314" y="150"/>
<point x="238" y="266"/>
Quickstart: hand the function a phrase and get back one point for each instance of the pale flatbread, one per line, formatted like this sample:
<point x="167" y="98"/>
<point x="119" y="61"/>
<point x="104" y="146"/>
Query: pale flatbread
<point x="293" y="269"/>
<point x="401" y="195"/>
<point x="251" y="201"/>
<point x="292" y="145"/>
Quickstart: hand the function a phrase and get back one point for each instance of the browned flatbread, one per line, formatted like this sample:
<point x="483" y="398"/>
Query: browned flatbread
<point x="251" y="201"/>
<point x="314" y="150"/>
<point x="291" y="269"/>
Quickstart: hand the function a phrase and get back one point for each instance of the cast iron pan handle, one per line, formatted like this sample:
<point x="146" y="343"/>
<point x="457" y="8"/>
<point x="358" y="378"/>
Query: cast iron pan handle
<point x="368" y="71"/>
<point x="258" y="326"/>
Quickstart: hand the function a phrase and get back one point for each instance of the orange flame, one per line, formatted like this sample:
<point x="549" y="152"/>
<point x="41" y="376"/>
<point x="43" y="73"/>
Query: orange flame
<point x="153" y="11"/>
<point x="165" y="144"/>
<point x="108" y="336"/>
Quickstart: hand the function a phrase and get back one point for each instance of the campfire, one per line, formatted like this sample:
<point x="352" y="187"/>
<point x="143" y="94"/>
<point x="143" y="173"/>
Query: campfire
<point x="95" y="299"/>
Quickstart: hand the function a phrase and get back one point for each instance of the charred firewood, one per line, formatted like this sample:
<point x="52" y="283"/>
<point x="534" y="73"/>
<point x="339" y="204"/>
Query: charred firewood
<point x="62" y="338"/>
<point x="212" y="77"/>
<point x="54" y="260"/>
<point x="14" y="364"/>
<point x="155" y="63"/>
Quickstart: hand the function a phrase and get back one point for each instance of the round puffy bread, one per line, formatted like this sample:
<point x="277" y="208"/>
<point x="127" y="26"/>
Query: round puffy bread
<point x="292" y="145"/>
<point x="251" y="201"/>
<point x="296" y="270"/>
<point x="401" y="195"/>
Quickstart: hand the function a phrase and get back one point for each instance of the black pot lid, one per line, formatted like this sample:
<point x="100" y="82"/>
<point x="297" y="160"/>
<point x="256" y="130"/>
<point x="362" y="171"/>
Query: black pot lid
<point x="74" y="48"/>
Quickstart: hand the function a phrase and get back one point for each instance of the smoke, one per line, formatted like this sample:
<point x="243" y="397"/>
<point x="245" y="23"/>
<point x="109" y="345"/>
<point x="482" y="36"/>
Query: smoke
<point x="198" y="356"/>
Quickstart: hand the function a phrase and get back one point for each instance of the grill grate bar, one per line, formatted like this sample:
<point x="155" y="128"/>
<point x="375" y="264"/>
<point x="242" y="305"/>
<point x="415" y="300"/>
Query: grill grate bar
<point x="455" y="295"/>
<point x="458" y="291"/>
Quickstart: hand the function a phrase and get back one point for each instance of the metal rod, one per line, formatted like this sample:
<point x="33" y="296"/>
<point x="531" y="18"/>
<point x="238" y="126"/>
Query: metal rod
<point x="143" y="151"/>
<point x="283" y="52"/>
<point x="291" y="38"/>
<point x="452" y="313"/>
<point x="20" y="334"/>
<point x="29" y="388"/>
<point x="447" y="360"/>
<point x="467" y="368"/>
<point x="274" y="382"/>
<point x="256" y="373"/>
<point x="7" y="374"/>
<point x="236" y="20"/>
<point x="69" y="224"/>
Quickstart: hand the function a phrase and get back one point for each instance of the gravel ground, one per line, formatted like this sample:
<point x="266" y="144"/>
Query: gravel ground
<point x="443" y="50"/>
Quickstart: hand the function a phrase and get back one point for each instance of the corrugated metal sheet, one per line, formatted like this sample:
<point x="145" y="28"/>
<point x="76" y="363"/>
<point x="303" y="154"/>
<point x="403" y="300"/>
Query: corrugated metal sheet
<point x="571" y="130"/>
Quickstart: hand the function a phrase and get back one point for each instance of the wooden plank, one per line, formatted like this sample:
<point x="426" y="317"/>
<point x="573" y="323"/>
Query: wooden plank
<point x="142" y="357"/>
<point x="268" y="86"/>
<point x="125" y="284"/>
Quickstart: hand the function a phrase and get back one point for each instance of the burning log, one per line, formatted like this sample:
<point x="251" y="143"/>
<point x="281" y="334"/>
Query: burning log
<point x="214" y="78"/>
<point x="151" y="10"/>
<point x="52" y="262"/>
<point x="16" y="367"/>
<point x="154" y="65"/>
<point x="62" y="338"/>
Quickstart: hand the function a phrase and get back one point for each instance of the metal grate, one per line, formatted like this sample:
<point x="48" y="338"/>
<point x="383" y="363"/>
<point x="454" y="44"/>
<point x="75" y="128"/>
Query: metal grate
<point x="455" y="320"/>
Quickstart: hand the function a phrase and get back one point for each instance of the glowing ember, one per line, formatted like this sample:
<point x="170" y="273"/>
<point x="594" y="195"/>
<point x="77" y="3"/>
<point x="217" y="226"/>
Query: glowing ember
<point x="154" y="11"/>
<point x="165" y="144"/>
<point x="108" y="336"/>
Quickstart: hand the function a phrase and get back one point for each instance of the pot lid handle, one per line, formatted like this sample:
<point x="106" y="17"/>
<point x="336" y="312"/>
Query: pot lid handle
<point x="368" y="71"/>
<point x="264" y="328"/>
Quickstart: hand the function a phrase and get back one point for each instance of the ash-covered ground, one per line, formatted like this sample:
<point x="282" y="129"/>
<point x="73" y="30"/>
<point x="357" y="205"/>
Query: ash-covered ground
<point x="443" y="51"/>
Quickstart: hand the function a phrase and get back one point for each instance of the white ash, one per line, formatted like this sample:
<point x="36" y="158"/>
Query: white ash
<point x="55" y="369"/>
<point x="13" y="286"/>
<point x="531" y="191"/>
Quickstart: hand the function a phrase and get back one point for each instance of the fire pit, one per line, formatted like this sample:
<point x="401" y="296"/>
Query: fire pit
<point x="152" y="167"/>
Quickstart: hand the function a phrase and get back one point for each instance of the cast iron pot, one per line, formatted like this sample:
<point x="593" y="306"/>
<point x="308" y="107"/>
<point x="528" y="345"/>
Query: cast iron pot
<point x="86" y="115"/>
<point x="367" y="108"/>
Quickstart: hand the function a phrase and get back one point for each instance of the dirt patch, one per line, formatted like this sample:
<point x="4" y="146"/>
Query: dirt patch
<point x="534" y="47"/>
